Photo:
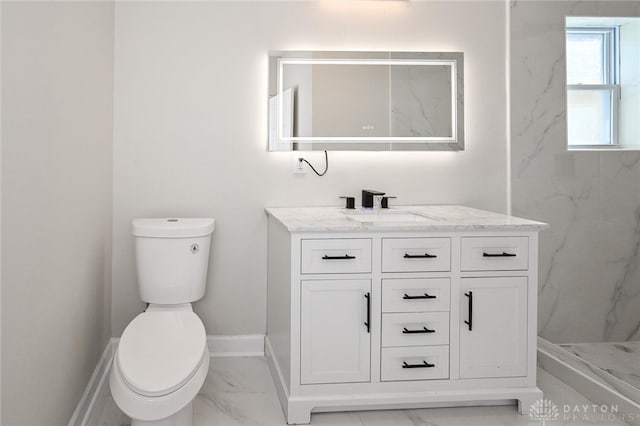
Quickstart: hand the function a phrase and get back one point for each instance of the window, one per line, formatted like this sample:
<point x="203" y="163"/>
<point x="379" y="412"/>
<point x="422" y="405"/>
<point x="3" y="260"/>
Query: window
<point x="593" y="89"/>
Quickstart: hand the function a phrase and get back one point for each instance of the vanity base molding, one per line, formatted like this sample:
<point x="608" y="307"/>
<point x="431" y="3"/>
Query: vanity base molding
<point x="389" y="319"/>
<point x="297" y="410"/>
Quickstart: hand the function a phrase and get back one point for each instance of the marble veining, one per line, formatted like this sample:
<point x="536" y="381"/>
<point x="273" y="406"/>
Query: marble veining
<point x="437" y="218"/>
<point x="591" y="370"/>
<point x="622" y="291"/>
<point x="420" y="102"/>
<point x="239" y="392"/>
<point x="589" y="260"/>
<point x="593" y="382"/>
<point x="618" y="359"/>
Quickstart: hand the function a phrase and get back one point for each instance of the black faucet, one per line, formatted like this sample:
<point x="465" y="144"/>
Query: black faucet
<point x="368" y="197"/>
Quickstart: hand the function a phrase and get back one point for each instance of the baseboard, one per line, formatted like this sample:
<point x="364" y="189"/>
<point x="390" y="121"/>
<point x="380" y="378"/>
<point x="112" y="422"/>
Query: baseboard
<point x="281" y="385"/>
<point x="97" y="391"/>
<point x="96" y="384"/>
<point x="243" y="345"/>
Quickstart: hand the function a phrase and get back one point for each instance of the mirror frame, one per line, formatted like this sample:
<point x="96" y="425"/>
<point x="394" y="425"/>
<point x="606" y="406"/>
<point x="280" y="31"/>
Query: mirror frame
<point x="278" y="58"/>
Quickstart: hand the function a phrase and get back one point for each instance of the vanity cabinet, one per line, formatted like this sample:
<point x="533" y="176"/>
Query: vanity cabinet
<point x="364" y="316"/>
<point x="416" y="254"/>
<point x="335" y="338"/>
<point x="493" y="338"/>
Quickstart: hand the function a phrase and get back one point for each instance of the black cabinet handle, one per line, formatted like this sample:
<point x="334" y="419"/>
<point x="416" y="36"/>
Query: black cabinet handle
<point x="470" y="322"/>
<point x="419" y="256"/>
<point x="424" y="330"/>
<point x="503" y="254"/>
<point x="424" y="364"/>
<point x="345" y="257"/>
<point x="368" y="322"/>
<point x="426" y="296"/>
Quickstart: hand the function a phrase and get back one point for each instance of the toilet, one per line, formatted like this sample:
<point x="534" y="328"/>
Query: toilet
<point x="162" y="358"/>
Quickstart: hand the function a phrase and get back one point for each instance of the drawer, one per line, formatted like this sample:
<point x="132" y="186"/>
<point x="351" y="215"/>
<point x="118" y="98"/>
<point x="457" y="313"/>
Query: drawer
<point x="415" y="294"/>
<point x="409" y="363"/>
<point x="415" y="329"/>
<point x="494" y="254"/>
<point x="336" y="256"/>
<point x="416" y="254"/>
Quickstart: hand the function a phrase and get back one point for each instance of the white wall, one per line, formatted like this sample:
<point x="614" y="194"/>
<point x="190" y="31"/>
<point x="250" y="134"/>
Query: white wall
<point x="190" y="128"/>
<point x="57" y="65"/>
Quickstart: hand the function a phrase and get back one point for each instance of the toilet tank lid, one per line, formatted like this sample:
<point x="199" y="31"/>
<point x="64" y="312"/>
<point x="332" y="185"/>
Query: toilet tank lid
<point x="172" y="227"/>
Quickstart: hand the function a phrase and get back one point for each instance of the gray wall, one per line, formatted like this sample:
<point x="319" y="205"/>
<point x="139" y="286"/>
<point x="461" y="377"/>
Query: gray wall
<point x="57" y="67"/>
<point x="190" y="128"/>
<point x="590" y="276"/>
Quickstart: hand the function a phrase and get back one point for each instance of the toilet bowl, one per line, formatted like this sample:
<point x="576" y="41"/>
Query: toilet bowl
<point x="160" y="365"/>
<point x="162" y="358"/>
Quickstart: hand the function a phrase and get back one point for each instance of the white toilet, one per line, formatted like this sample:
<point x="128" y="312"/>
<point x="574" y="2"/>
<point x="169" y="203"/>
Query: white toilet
<point x="162" y="358"/>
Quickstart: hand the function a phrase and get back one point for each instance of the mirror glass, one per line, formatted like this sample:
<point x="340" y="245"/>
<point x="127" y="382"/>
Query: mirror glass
<point x="366" y="101"/>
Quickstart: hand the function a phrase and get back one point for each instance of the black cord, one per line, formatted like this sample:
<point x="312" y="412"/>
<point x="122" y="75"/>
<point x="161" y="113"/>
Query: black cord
<point x="326" y="164"/>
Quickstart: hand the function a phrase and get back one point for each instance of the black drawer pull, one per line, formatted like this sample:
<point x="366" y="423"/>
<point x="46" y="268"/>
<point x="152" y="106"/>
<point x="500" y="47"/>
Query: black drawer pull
<point x="470" y="311"/>
<point x="426" y="296"/>
<point x="368" y="322"/>
<point x="345" y="257"/>
<point x="424" y="364"/>
<point x="424" y="330"/>
<point x="419" y="256"/>
<point x="503" y="254"/>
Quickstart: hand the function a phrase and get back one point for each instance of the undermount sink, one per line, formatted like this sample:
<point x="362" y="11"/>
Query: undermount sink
<point x="387" y="216"/>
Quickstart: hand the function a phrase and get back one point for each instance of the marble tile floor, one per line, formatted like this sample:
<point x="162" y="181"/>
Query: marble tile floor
<point x="239" y="392"/>
<point x="621" y="360"/>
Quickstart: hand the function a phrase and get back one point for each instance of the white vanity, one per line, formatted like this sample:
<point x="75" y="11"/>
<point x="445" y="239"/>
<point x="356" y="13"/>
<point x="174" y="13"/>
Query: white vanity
<point x="418" y="306"/>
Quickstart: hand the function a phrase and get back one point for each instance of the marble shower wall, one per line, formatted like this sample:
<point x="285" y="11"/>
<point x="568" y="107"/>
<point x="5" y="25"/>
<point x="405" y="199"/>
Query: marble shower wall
<point x="590" y="258"/>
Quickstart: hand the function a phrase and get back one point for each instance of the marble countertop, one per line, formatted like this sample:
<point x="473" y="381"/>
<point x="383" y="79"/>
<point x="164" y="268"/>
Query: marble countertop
<point x="431" y="218"/>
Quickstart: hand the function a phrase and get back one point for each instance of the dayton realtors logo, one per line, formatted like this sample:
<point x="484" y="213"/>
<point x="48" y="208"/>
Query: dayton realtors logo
<point x="544" y="410"/>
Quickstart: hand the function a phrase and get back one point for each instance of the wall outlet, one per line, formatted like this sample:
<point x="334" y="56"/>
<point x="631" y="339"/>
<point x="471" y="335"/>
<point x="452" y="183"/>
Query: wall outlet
<point x="299" y="167"/>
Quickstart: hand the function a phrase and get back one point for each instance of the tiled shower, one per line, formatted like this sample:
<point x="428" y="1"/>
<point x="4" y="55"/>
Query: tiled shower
<point x="589" y="285"/>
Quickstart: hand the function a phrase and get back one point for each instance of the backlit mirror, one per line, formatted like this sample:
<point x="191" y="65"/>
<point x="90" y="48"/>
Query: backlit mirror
<point x="366" y="101"/>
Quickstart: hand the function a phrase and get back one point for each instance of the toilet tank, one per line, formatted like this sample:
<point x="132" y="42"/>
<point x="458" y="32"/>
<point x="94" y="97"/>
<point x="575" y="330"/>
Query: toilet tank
<point x="172" y="258"/>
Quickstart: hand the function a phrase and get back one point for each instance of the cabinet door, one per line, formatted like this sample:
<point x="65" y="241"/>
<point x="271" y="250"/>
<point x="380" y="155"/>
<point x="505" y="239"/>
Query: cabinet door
<point x="493" y="322"/>
<point x="336" y="343"/>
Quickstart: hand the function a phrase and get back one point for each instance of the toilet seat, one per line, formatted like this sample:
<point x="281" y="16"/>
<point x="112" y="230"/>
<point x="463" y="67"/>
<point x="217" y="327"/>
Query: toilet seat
<point x="161" y="349"/>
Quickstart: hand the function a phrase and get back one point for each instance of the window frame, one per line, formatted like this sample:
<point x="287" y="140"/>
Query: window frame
<point x="611" y="83"/>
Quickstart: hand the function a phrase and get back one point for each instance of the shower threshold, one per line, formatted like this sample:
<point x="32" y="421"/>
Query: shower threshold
<point x="606" y="373"/>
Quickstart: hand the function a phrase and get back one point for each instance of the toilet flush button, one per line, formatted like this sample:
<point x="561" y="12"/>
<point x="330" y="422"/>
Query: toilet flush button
<point x="194" y="248"/>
